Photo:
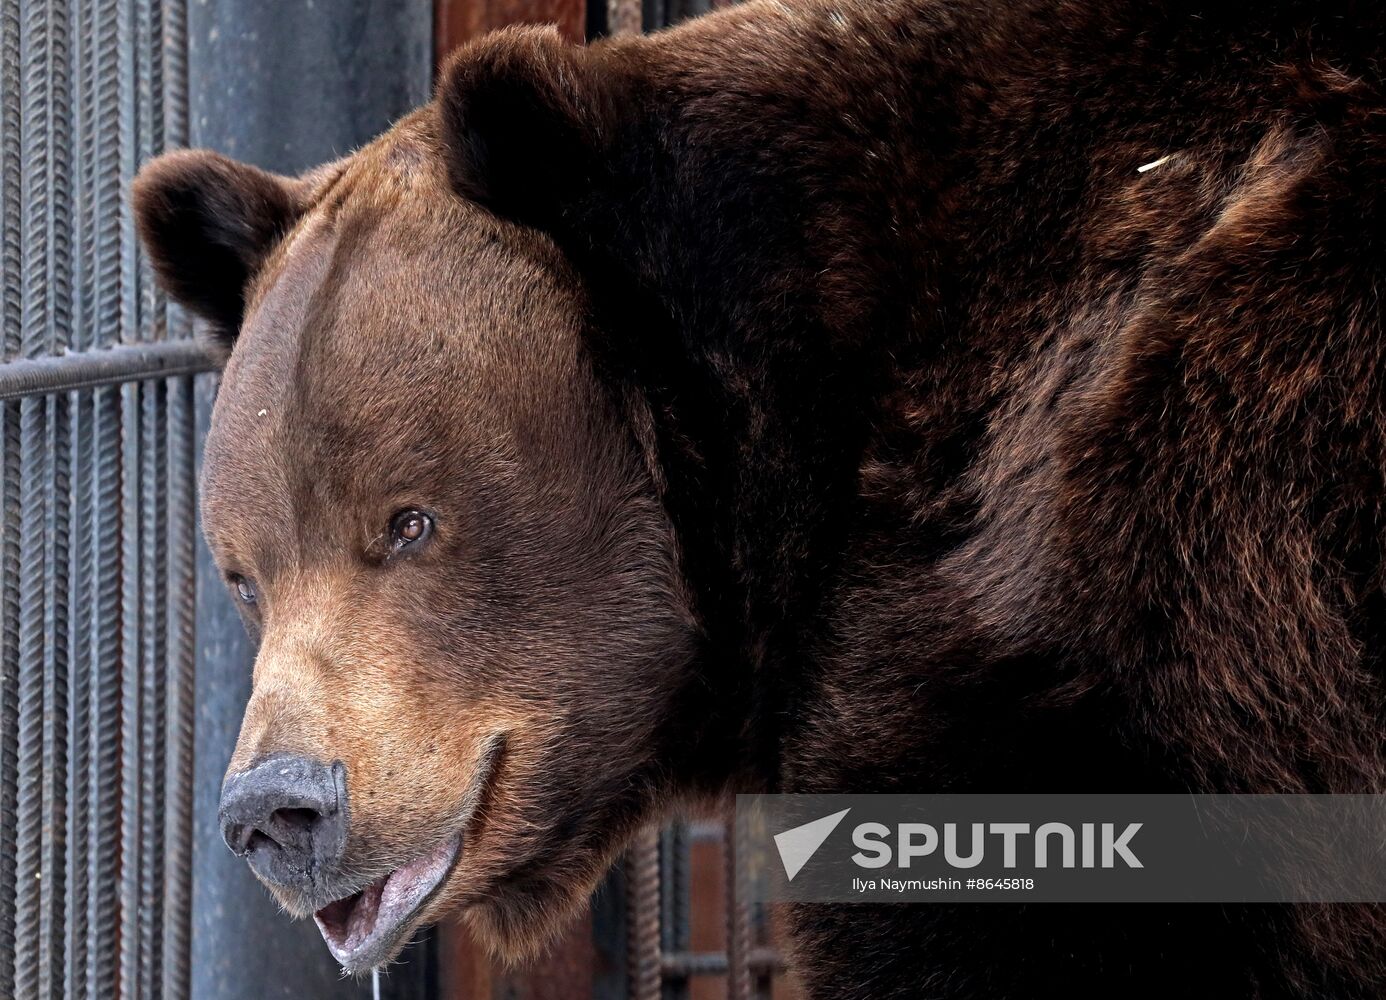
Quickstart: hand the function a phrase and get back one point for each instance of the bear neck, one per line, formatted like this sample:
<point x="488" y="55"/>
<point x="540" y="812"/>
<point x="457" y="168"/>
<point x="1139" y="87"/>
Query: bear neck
<point x="745" y="283"/>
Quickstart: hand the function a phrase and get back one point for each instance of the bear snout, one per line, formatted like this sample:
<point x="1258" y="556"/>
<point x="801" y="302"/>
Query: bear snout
<point x="287" y="816"/>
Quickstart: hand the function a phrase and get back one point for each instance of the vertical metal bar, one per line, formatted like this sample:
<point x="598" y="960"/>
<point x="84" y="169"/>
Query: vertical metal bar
<point x="642" y="920"/>
<point x="104" y="834"/>
<point x="81" y="569"/>
<point x="131" y="703"/>
<point x="125" y="163"/>
<point x="52" y="867"/>
<point x="11" y="332"/>
<point x="11" y="173"/>
<point x="81" y="575"/>
<point x="56" y="79"/>
<point x="153" y="626"/>
<point x="9" y="676"/>
<point x="738" y="919"/>
<point x="111" y="101"/>
<point x="178" y="685"/>
<point x="149" y="73"/>
<point x="104" y="103"/>
<point x="132" y="31"/>
<point x="107" y="128"/>
<point x="175" y="54"/>
<point x="149" y="41"/>
<point x="674" y="902"/>
<point x="28" y="814"/>
<point x="83" y="149"/>
<point x="41" y="32"/>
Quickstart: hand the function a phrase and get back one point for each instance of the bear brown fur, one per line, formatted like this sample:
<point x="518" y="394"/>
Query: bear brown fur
<point x="817" y="397"/>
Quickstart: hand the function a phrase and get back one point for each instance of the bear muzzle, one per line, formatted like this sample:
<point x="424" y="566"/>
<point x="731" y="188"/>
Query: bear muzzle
<point x="287" y="815"/>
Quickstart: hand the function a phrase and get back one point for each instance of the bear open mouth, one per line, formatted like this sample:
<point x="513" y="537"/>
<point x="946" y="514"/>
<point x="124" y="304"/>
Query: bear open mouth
<point x="364" y="929"/>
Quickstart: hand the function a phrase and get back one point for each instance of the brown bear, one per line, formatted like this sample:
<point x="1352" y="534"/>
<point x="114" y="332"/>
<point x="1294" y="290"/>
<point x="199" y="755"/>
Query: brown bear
<point x="838" y="395"/>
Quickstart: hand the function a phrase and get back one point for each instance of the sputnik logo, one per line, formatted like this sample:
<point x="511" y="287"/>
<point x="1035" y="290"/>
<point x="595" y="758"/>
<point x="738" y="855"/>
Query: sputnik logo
<point x="798" y="844"/>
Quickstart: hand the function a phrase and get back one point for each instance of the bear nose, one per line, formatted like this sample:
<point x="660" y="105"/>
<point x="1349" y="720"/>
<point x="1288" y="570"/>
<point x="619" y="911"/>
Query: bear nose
<point x="286" y="815"/>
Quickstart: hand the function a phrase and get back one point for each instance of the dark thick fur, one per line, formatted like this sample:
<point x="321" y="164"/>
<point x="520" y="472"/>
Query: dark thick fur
<point x="995" y="464"/>
<point x="1000" y="465"/>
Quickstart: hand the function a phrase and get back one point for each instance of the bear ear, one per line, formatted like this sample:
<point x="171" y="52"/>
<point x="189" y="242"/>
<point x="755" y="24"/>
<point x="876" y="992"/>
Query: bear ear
<point x="524" y="116"/>
<point x="208" y="224"/>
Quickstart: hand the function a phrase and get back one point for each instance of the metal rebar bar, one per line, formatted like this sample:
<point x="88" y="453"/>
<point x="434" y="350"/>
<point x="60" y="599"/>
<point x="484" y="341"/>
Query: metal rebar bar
<point x="108" y="366"/>
<point x="11" y="327"/>
<point x="104" y="677"/>
<point x="108" y="19"/>
<point x="11" y="179"/>
<point x="131" y="703"/>
<point x="178" y="675"/>
<point x="82" y="573"/>
<point x="153" y="627"/>
<point x="28" y="813"/>
<point x="52" y="850"/>
<point x="9" y="675"/>
<point x="642" y="917"/>
<point x="738" y="920"/>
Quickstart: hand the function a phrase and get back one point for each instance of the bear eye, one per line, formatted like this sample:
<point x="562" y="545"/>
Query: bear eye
<point x="245" y="590"/>
<point x="409" y="527"/>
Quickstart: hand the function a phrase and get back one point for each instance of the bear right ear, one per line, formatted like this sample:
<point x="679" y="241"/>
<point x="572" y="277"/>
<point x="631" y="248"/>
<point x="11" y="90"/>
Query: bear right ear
<point x="525" y="116"/>
<point x="208" y="224"/>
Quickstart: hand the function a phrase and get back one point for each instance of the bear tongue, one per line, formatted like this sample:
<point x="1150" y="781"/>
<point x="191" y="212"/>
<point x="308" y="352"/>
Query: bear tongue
<point x="360" y="929"/>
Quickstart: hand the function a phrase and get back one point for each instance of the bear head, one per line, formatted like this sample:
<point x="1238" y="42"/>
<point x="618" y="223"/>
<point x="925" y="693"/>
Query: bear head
<point x="442" y="525"/>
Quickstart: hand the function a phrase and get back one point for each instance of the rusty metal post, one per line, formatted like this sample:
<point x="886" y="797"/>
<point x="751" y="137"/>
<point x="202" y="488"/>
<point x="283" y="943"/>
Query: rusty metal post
<point x="642" y="917"/>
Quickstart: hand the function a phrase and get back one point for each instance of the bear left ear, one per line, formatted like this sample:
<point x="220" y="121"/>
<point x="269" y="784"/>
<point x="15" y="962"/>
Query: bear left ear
<point x="525" y="117"/>
<point x="208" y="224"/>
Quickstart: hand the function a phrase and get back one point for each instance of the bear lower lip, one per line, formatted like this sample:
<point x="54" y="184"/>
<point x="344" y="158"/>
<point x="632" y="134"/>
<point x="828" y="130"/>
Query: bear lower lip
<point x="364" y="929"/>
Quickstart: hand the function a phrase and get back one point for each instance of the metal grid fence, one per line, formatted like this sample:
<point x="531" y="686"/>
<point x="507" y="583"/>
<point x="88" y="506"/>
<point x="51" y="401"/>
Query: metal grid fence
<point x="666" y="884"/>
<point x="97" y="533"/>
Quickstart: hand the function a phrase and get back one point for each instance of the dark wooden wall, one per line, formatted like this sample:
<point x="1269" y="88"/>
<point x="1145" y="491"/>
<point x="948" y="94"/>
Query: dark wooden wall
<point x="458" y="21"/>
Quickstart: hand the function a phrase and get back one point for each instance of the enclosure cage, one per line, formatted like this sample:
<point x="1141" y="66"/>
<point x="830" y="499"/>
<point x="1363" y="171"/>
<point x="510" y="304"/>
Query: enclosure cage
<point x="123" y="667"/>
